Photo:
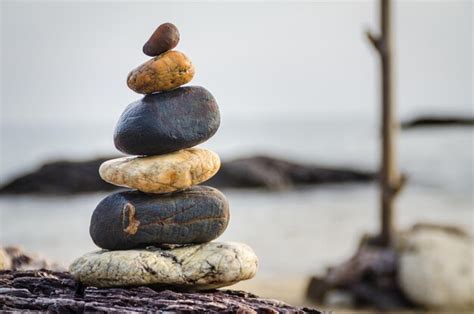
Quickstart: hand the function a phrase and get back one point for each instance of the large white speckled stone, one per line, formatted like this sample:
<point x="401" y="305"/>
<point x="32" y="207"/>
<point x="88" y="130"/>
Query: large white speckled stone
<point x="436" y="268"/>
<point x="163" y="173"/>
<point x="196" y="267"/>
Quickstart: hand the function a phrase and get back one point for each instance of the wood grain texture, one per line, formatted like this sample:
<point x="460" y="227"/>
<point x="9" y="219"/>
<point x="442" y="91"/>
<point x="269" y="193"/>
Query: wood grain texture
<point x="58" y="292"/>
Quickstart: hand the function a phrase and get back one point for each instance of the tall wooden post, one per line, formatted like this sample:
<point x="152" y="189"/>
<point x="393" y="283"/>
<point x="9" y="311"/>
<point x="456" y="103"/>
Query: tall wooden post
<point x="390" y="179"/>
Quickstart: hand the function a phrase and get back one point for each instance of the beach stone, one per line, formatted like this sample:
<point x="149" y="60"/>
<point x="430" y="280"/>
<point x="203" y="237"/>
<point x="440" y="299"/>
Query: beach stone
<point x="164" y="38"/>
<point x="5" y="262"/>
<point x="436" y="268"/>
<point x="167" y="122"/>
<point x="162" y="173"/>
<point x="132" y="219"/>
<point x="196" y="267"/>
<point x="17" y="258"/>
<point x="165" y="72"/>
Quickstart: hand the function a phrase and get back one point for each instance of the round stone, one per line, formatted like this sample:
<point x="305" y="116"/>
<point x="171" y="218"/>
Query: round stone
<point x="162" y="173"/>
<point x="164" y="38"/>
<point x="436" y="269"/>
<point x="133" y="219"/>
<point x="165" y="72"/>
<point x="167" y="122"/>
<point x="197" y="267"/>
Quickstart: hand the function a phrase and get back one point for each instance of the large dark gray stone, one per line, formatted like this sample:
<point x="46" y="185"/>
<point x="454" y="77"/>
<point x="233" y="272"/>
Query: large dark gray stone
<point x="166" y="122"/>
<point x="132" y="219"/>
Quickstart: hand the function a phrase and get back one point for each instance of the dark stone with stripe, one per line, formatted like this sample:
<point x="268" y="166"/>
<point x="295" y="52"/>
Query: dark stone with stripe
<point x="133" y="219"/>
<point x="166" y="122"/>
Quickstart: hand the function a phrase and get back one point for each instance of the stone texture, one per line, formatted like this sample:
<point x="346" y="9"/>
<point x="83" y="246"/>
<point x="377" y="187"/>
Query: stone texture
<point x="133" y="219"/>
<point x="436" y="268"/>
<point x="167" y="122"/>
<point x="196" y="267"/>
<point x="57" y="292"/>
<point x="165" y="72"/>
<point x="164" y="38"/>
<point x="162" y="173"/>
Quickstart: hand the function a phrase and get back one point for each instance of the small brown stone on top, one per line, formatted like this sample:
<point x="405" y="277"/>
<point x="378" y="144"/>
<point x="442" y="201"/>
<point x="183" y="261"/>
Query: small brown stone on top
<point x="164" y="38"/>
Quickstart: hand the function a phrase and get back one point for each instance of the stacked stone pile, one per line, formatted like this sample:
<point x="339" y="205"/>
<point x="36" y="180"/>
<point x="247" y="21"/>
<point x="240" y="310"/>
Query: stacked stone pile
<point x="159" y="232"/>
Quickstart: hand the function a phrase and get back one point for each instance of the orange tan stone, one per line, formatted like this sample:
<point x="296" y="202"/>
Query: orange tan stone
<point x="167" y="71"/>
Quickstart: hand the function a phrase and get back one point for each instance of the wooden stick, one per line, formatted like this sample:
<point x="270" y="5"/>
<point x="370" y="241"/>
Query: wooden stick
<point x="390" y="179"/>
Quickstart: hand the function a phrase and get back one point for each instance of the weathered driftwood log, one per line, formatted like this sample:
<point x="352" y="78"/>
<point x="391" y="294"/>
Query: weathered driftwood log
<point x="69" y="177"/>
<point x="58" y="292"/>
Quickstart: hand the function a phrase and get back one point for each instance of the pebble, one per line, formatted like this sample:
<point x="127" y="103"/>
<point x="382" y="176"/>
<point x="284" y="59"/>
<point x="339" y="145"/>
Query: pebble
<point x="164" y="38"/>
<point x="196" y="267"/>
<point x="165" y="72"/>
<point x="132" y="219"/>
<point x="167" y="122"/>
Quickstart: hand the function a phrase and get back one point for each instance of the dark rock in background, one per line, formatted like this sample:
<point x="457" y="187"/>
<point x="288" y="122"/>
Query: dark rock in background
<point x="58" y="292"/>
<point x="437" y="121"/>
<point x="61" y="177"/>
<point x="72" y="177"/>
<point x="274" y="174"/>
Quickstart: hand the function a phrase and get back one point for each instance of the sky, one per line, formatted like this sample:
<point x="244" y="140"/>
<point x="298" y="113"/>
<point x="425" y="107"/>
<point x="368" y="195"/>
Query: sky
<point x="67" y="62"/>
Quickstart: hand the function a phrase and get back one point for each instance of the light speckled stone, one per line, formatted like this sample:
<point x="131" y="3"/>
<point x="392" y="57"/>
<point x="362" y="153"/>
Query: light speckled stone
<point x="197" y="267"/>
<point x="436" y="268"/>
<point x="162" y="173"/>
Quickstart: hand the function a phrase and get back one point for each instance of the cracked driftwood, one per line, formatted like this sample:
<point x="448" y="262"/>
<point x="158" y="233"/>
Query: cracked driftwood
<point x="59" y="292"/>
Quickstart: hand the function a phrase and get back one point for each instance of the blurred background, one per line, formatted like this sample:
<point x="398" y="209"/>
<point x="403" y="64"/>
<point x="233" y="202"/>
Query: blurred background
<point x="296" y="81"/>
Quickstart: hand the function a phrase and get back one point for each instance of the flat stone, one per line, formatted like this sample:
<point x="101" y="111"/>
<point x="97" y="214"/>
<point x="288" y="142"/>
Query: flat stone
<point x="167" y="122"/>
<point x="132" y="219"/>
<point x="162" y="173"/>
<point x="165" y="72"/>
<point x="197" y="267"/>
